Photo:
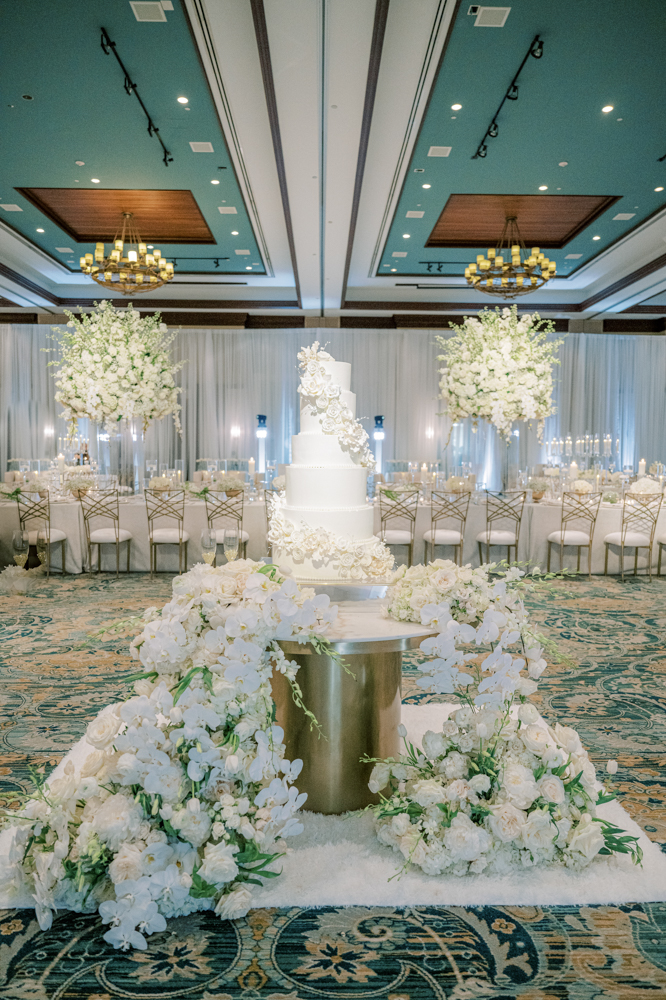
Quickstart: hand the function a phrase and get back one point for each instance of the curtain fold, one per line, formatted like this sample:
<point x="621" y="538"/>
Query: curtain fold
<point x="605" y="384"/>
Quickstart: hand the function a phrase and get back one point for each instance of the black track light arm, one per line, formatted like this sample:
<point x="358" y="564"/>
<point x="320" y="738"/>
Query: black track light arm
<point x="109" y="48"/>
<point x="536" y="51"/>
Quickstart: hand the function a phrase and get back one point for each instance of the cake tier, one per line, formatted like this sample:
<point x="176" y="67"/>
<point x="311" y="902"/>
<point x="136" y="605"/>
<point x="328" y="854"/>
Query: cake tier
<point x="320" y="450"/>
<point x="351" y="522"/>
<point x="307" y="570"/>
<point x="340" y="372"/>
<point x="345" y="486"/>
<point x="310" y="422"/>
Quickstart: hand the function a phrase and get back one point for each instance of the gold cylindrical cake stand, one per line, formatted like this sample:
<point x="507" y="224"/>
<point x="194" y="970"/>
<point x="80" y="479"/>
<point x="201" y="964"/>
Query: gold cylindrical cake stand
<point x="358" y="716"/>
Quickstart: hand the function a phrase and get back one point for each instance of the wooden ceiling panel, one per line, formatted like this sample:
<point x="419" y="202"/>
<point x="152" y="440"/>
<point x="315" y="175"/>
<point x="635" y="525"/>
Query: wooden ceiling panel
<point x="476" y="220"/>
<point x="88" y="215"/>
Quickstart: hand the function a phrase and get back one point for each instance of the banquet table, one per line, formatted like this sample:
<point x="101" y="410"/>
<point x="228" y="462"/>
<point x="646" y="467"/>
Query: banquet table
<point x="539" y="520"/>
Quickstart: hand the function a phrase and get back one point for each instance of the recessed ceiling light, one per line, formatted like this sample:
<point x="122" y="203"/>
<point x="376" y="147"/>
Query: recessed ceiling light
<point x="405" y="236"/>
<point x="182" y="100"/>
<point x="543" y="187"/>
<point x="248" y="268"/>
<point x="150" y="246"/>
<point x="596" y="237"/>
<point x="215" y="181"/>
<point x="41" y="230"/>
<point x="94" y="180"/>
<point x="426" y="185"/>
<point x="234" y="232"/>
<point x="456" y="107"/>
<point x="79" y="163"/>
<point x="394" y="268"/>
<point x="659" y="189"/>
<point x="563" y="163"/>
<point x="607" y="108"/>
<point x="618" y="119"/>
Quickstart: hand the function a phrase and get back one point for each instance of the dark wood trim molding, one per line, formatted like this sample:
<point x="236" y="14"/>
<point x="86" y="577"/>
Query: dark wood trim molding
<point x="261" y="33"/>
<point x="29" y="286"/>
<point x="444" y="306"/>
<point x="629" y="279"/>
<point x="378" y="32"/>
<point x="206" y="304"/>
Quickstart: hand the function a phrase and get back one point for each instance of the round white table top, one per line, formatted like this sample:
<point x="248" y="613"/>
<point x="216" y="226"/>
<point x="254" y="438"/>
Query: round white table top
<point x="362" y="627"/>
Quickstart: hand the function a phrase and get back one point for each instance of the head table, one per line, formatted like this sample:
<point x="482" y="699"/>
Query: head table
<point x="539" y="520"/>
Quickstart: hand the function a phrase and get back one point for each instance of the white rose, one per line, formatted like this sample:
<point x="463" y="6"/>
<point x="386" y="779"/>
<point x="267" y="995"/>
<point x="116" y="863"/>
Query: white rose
<point x="427" y="792"/>
<point x="234" y="904"/>
<point x="519" y="786"/>
<point x="554" y="757"/>
<point x="535" y="738"/>
<point x="218" y="865"/>
<point x="464" y="840"/>
<point x="193" y="827"/>
<point x="539" y="831"/>
<point x="453" y="766"/>
<point x="587" y="837"/>
<point x="566" y="737"/>
<point x="458" y="789"/>
<point x="528" y="713"/>
<point x="400" y="824"/>
<point x="479" y="783"/>
<point x="412" y="846"/>
<point x="506" y="822"/>
<point x="117" y="820"/>
<point x="551" y="788"/>
<point x="103" y="729"/>
<point x="92" y="763"/>
<point x="126" y="864"/>
<point x="379" y="777"/>
<point x="434" y="744"/>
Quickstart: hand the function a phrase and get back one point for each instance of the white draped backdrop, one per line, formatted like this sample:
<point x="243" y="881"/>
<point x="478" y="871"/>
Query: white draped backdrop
<point x="612" y="383"/>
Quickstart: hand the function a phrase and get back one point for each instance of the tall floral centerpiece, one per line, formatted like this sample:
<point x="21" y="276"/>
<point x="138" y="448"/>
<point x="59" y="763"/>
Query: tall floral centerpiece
<point x="116" y="369"/>
<point x="499" y="367"/>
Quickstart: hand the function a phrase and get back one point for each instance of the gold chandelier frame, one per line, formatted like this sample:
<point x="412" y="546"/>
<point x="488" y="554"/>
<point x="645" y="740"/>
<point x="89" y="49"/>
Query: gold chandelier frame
<point x="509" y="269"/>
<point x="127" y="270"/>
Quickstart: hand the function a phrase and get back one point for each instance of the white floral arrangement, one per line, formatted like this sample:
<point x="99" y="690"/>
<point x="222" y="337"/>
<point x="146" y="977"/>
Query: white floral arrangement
<point x="351" y="560"/>
<point x="497" y="788"/>
<point x="185" y="795"/>
<point x="588" y="474"/>
<point x="538" y="485"/>
<point x="15" y="581"/>
<point x="499" y="367"/>
<point x="324" y="395"/>
<point x="645" y="487"/>
<point x="279" y="483"/>
<point x="457" y="484"/>
<point x="582" y="486"/>
<point x="116" y="366"/>
<point x="160" y="483"/>
<point x="227" y="484"/>
<point x="79" y="482"/>
<point x="552" y="471"/>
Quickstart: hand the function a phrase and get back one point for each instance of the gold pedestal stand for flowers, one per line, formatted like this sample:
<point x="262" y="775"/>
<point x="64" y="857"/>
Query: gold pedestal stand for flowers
<point x="358" y="715"/>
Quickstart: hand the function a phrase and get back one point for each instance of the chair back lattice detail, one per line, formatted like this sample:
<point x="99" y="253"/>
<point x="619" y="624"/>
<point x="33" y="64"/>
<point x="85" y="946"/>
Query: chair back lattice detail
<point x="504" y="507"/>
<point x="449" y="505"/>
<point x="104" y="504"/>
<point x="171" y="507"/>
<point x="230" y="508"/>
<point x="640" y="514"/>
<point x="576" y="508"/>
<point x="402" y="509"/>
<point x="34" y="510"/>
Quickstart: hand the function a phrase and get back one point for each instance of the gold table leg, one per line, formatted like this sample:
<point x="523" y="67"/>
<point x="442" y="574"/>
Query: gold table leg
<point x="357" y="717"/>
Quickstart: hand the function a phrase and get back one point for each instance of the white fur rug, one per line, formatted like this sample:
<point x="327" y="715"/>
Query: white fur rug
<point x="337" y="861"/>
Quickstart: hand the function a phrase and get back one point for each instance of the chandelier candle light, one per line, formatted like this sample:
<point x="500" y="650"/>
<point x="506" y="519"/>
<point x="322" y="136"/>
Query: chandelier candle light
<point x="509" y="270"/>
<point x="127" y="271"/>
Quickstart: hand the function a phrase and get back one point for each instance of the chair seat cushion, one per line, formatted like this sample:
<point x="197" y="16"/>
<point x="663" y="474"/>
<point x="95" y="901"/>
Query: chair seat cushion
<point x="55" y="535"/>
<point x="168" y="536"/>
<point x="631" y="539"/>
<point x="396" y="536"/>
<point x="569" y="537"/>
<point x="244" y="537"/>
<point x="497" y="537"/>
<point x="442" y="536"/>
<point x="103" y="536"/>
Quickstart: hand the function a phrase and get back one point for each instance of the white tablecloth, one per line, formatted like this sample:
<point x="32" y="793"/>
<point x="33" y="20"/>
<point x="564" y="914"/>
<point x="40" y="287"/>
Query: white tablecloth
<point x="539" y="520"/>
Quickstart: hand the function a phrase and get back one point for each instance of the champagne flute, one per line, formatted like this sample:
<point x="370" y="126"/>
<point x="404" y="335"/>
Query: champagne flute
<point x="231" y="544"/>
<point x="209" y="545"/>
<point x="42" y="548"/>
<point x="20" y="543"/>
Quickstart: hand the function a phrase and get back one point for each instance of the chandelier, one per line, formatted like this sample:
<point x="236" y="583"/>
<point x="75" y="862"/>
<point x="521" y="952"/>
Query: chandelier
<point x="124" y="270"/>
<point x="509" y="270"/>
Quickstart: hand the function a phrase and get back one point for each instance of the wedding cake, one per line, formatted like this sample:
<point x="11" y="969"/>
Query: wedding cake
<point x="322" y="528"/>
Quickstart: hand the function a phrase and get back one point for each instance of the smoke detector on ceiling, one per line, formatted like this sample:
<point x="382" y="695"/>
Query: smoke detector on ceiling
<point x="489" y="17"/>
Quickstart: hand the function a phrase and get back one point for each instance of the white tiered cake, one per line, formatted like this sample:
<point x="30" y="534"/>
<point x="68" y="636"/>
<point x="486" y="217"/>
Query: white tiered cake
<point x="323" y="529"/>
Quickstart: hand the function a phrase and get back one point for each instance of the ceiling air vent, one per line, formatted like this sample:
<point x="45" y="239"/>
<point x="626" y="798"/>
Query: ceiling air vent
<point x="148" y="10"/>
<point x="202" y="147"/>
<point x="491" y="17"/>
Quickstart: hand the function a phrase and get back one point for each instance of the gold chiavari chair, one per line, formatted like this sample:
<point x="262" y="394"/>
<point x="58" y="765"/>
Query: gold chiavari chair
<point x="639" y="520"/>
<point x="31" y="510"/>
<point x="401" y="510"/>
<point x="161" y="505"/>
<point x="502" y="507"/>
<point x="103" y="505"/>
<point x="220" y="507"/>
<point x="444" y="507"/>
<point x="581" y="511"/>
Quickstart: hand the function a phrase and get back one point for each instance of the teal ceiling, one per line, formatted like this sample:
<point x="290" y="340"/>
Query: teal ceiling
<point x="80" y="111"/>
<point x="595" y="54"/>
